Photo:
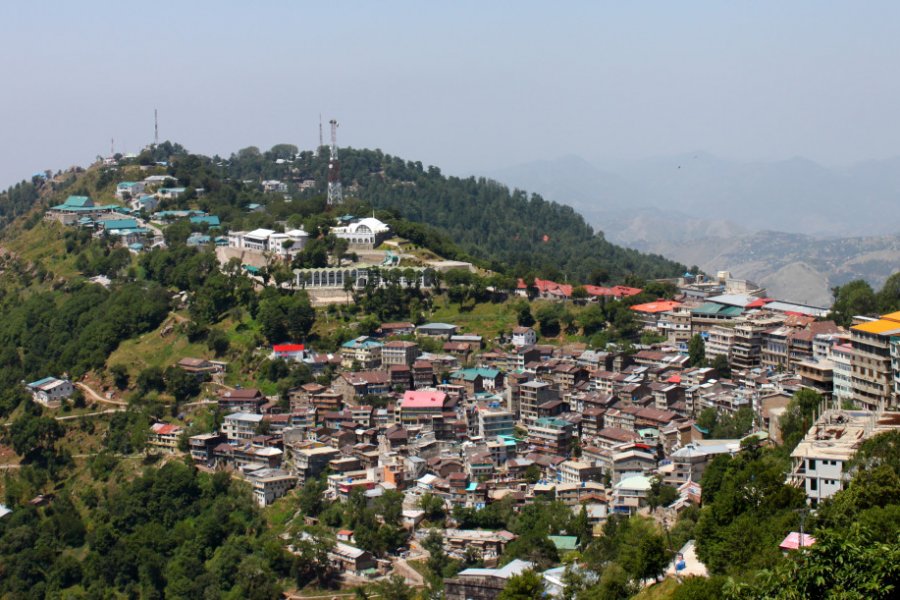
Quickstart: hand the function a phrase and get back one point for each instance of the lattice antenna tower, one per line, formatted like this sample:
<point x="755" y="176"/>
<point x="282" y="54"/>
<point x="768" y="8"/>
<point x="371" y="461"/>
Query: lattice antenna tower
<point x="335" y="192"/>
<point x="155" y="128"/>
<point x="321" y="139"/>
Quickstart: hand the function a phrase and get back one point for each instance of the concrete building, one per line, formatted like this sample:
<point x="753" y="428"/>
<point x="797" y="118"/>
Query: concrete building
<point x="164" y="436"/>
<point x="50" y="391"/>
<point x="494" y="421"/>
<point x="871" y="366"/>
<point x="819" y="461"/>
<point x="363" y="234"/>
<point x="241" y="426"/>
<point x="577" y="471"/>
<point x="270" y="484"/>
<point x="551" y="436"/>
<point x="531" y="395"/>
<point x="398" y="352"/>
<point x="523" y="336"/>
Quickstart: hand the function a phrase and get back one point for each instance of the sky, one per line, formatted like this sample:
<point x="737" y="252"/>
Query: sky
<point x="466" y="86"/>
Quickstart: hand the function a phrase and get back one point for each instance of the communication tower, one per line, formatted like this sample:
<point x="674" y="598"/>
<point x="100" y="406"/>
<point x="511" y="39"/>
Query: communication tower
<point x="335" y="193"/>
<point x="155" y="128"/>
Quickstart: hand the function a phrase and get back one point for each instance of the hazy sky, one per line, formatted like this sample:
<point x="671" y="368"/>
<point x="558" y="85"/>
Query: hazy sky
<point x="468" y="86"/>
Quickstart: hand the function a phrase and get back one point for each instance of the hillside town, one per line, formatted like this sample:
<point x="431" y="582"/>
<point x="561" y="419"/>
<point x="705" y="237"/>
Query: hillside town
<point x="445" y="419"/>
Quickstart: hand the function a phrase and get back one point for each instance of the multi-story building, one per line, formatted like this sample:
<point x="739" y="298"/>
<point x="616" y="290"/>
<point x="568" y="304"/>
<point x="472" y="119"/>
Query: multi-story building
<point x="817" y="375"/>
<point x="819" y="460"/>
<point x="531" y="395"/>
<point x="524" y="336"/>
<point x="248" y="400"/>
<point x="842" y="382"/>
<point x="241" y="426"/>
<point x="164" y="436"/>
<point x="551" y="435"/>
<point x="202" y="447"/>
<point x="422" y="374"/>
<point x="747" y="348"/>
<point x="493" y="420"/>
<point x="308" y="461"/>
<point x="871" y="368"/>
<point x="775" y="354"/>
<point x="270" y="484"/>
<point x="421" y="407"/>
<point x="399" y="352"/>
<point x="576" y="471"/>
<point x="361" y="353"/>
<point x="676" y="326"/>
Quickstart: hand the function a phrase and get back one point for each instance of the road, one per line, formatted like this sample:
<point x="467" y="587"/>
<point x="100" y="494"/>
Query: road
<point x="692" y="564"/>
<point x="413" y="577"/>
<point x="108" y="411"/>
<point x="97" y="396"/>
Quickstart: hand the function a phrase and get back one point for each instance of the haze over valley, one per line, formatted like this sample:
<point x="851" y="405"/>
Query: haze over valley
<point x="795" y="226"/>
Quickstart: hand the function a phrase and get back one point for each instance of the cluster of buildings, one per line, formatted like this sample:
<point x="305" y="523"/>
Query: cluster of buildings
<point x="857" y="366"/>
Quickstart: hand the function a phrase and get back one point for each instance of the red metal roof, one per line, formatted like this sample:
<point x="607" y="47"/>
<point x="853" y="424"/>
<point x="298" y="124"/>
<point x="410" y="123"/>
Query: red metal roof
<point x="288" y="347"/>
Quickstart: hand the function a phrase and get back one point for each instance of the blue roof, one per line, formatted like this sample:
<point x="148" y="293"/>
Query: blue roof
<point x="136" y="246"/>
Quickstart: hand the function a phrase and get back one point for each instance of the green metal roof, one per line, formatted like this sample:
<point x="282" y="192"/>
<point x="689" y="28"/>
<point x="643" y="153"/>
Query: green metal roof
<point x="564" y="542"/>
<point x="78" y="201"/>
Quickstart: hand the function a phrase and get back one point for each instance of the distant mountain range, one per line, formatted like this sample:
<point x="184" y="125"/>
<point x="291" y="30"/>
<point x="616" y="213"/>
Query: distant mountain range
<point x="794" y="225"/>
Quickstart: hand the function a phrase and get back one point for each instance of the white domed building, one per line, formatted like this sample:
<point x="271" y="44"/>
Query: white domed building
<point x="363" y="234"/>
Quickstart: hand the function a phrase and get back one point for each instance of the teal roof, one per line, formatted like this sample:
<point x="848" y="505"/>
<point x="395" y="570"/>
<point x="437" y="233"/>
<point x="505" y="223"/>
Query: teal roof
<point x="127" y="184"/>
<point x="251" y="269"/>
<point x="471" y="374"/>
<point x="77" y="209"/>
<point x="41" y="382"/>
<point x="136" y="246"/>
<point x="209" y="220"/>
<point x="564" y="542"/>
<point x="111" y="224"/>
<point x="552" y="422"/>
<point x="78" y="202"/>
<point x="361" y="344"/>
<point x="714" y="308"/>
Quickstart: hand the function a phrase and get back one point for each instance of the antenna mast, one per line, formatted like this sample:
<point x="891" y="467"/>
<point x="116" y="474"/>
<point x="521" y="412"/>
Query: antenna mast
<point x="112" y="146"/>
<point x="155" y="128"/>
<point x="321" y="140"/>
<point x="335" y="193"/>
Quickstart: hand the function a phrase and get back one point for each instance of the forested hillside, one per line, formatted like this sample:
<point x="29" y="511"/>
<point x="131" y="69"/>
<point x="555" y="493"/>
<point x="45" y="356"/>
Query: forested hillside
<point x="511" y="230"/>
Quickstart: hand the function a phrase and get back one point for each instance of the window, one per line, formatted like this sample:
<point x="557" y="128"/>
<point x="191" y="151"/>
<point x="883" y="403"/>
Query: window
<point x="813" y="484"/>
<point x="811" y="464"/>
